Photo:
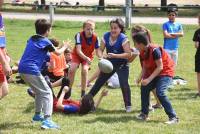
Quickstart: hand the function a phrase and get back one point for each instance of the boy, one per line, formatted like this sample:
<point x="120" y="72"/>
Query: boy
<point x="86" y="43"/>
<point x="37" y="48"/>
<point x="172" y="30"/>
<point x="196" y="39"/>
<point x="5" y="69"/>
<point x="157" y="73"/>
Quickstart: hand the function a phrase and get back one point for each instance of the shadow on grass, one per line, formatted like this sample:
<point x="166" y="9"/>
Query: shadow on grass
<point x="118" y="119"/>
<point x="29" y="107"/>
<point x="15" y="125"/>
<point x="105" y="111"/>
<point x="182" y="94"/>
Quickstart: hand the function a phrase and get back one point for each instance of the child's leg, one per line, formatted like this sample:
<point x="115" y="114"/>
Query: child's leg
<point x="94" y="76"/>
<point x="65" y="84"/>
<point x="198" y="82"/>
<point x="84" y="78"/>
<point x="72" y="73"/>
<point x="3" y="89"/>
<point x="43" y="97"/>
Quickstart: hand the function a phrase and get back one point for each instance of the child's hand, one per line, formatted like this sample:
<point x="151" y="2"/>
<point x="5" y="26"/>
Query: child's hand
<point x="88" y="60"/>
<point x="7" y="70"/>
<point x="67" y="43"/>
<point x="104" y="92"/>
<point x="196" y="45"/>
<point x="66" y="89"/>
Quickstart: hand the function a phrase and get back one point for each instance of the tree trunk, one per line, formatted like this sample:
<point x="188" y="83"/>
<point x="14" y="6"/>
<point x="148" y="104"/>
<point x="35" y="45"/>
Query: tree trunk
<point x="163" y="3"/>
<point x="101" y="3"/>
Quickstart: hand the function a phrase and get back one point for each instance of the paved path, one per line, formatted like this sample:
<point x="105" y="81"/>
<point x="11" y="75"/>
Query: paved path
<point x="142" y="20"/>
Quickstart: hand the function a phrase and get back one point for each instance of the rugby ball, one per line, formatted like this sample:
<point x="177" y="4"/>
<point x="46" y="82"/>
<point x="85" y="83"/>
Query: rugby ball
<point x="105" y="66"/>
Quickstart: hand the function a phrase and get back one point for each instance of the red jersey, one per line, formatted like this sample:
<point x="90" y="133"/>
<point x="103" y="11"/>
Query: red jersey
<point x="68" y="102"/>
<point x="87" y="49"/>
<point x="149" y="64"/>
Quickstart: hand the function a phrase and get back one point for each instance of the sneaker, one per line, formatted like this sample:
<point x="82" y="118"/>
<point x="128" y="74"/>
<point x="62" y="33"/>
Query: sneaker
<point x="173" y="120"/>
<point x="157" y="106"/>
<point x="49" y="124"/>
<point x="151" y="109"/>
<point x="37" y="117"/>
<point x="31" y="92"/>
<point x="128" y="109"/>
<point x="142" y="117"/>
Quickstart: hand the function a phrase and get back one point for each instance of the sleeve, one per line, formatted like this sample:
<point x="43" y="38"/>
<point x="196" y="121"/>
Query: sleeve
<point x="78" y="39"/>
<point x="195" y="37"/>
<point x="157" y="54"/>
<point x="97" y="44"/>
<point x="124" y="41"/>
<point x="50" y="48"/>
<point x="164" y="27"/>
<point x="70" y="109"/>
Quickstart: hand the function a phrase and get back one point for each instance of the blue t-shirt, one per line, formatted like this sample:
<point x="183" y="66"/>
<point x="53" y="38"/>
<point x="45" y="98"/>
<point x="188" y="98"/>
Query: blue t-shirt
<point x="78" y="40"/>
<point x="2" y="33"/>
<point x="115" y="48"/>
<point x="35" y="54"/>
<point x="170" y="27"/>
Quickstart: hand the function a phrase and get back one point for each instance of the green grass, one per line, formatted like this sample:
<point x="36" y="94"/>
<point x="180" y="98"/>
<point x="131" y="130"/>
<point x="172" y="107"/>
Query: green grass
<point x="17" y="108"/>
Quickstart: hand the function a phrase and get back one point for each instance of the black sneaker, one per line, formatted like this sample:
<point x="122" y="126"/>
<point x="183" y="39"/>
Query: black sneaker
<point x="142" y="117"/>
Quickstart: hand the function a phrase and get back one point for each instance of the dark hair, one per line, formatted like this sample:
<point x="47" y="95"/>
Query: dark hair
<point x="55" y="42"/>
<point x="172" y="10"/>
<point x="141" y="37"/>
<point x="120" y="23"/>
<point x="42" y="26"/>
<point x="87" y="104"/>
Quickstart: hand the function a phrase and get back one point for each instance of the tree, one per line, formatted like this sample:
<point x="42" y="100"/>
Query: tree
<point x="163" y="3"/>
<point x="101" y="5"/>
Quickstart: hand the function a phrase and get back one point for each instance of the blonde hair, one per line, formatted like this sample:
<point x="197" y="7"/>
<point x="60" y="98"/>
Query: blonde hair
<point x="90" y="22"/>
<point x="140" y="28"/>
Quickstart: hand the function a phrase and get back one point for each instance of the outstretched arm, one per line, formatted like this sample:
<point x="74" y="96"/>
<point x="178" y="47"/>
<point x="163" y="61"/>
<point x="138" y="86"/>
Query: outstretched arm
<point x="59" y="104"/>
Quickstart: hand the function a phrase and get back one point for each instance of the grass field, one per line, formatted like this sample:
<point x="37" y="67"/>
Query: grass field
<point x="17" y="109"/>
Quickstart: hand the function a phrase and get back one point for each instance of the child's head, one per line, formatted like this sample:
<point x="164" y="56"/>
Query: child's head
<point x="139" y="28"/>
<point x="140" y="40"/>
<point x="55" y="42"/>
<point x="117" y="26"/>
<point x="42" y="27"/>
<point x="87" y="104"/>
<point x="67" y="54"/>
<point x="88" y="27"/>
<point x="172" y="13"/>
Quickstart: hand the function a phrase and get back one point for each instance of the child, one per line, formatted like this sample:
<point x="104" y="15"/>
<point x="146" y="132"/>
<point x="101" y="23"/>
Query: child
<point x="196" y="39"/>
<point x="172" y="30"/>
<point x="86" y="43"/>
<point x="157" y="72"/>
<point x="85" y="105"/>
<point x="30" y="65"/>
<point x="5" y="69"/>
<point x="57" y="64"/>
<point x="136" y="29"/>
<point x="118" y="51"/>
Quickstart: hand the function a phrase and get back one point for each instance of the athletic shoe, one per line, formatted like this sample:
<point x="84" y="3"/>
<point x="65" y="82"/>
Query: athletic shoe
<point x="128" y="109"/>
<point x="173" y="120"/>
<point x="37" y="117"/>
<point x="157" y="106"/>
<point x="142" y="117"/>
<point x="31" y="92"/>
<point x="49" y="124"/>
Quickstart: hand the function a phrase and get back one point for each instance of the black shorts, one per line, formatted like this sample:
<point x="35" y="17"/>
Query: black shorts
<point x="197" y="62"/>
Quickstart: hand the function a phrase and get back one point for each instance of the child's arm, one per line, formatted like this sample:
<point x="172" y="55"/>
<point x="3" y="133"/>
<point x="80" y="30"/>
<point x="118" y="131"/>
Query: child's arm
<point x="59" y="104"/>
<point x="62" y="49"/>
<point x="6" y="67"/>
<point x="196" y="44"/>
<point x="103" y="93"/>
<point x="82" y="55"/>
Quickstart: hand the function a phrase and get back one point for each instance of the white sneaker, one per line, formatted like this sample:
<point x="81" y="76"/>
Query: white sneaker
<point x="173" y="120"/>
<point x="128" y="109"/>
